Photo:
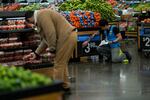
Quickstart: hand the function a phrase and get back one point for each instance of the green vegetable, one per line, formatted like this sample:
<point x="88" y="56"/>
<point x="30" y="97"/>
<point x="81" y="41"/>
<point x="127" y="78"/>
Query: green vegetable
<point x="141" y="6"/>
<point x="14" y="78"/>
<point x="100" y="6"/>
<point x="31" y="7"/>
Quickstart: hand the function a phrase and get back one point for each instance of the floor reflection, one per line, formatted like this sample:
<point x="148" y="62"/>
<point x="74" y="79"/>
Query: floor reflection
<point x="106" y="81"/>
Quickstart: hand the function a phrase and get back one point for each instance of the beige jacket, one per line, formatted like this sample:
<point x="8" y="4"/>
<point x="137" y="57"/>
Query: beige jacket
<point x="53" y="28"/>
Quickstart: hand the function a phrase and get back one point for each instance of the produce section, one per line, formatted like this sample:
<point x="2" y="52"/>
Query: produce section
<point x="83" y="19"/>
<point x="84" y="15"/>
<point x="99" y="6"/>
<point x="18" y="39"/>
<point x="141" y="7"/>
<point x="15" y="42"/>
<point x="20" y="7"/>
<point x="12" y="25"/>
<point x="10" y="7"/>
<point x="30" y="7"/>
<point x="16" y="78"/>
<point x="18" y="83"/>
<point x="144" y="16"/>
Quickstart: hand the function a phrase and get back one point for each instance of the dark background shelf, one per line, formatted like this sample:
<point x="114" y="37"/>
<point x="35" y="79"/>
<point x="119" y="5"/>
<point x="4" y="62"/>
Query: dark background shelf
<point x="87" y="29"/>
<point x="144" y="24"/>
<point x="10" y="14"/>
<point x="17" y="31"/>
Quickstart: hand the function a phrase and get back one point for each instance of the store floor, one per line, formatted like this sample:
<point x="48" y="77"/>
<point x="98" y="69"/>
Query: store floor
<point x="106" y="81"/>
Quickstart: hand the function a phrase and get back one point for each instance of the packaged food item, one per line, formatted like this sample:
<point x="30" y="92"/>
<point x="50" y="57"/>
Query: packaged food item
<point x="8" y="54"/>
<point x="2" y="54"/>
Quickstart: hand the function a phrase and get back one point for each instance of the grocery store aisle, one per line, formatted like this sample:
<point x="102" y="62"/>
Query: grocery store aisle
<point x="105" y="81"/>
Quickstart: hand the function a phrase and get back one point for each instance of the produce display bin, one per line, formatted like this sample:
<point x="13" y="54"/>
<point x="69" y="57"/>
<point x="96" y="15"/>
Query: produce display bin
<point x="22" y="43"/>
<point x="50" y="92"/>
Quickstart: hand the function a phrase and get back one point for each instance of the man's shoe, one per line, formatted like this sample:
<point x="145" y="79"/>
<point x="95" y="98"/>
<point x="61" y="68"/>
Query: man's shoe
<point x="67" y="91"/>
<point x="128" y="56"/>
<point x="125" y="61"/>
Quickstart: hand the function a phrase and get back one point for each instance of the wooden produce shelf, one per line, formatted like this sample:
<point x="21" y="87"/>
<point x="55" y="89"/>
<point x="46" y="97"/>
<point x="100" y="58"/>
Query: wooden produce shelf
<point x="86" y="32"/>
<point x="131" y="34"/>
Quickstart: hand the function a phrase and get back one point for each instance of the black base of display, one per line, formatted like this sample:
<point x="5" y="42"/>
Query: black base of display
<point x="11" y="14"/>
<point x="38" y="66"/>
<point x="55" y="87"/>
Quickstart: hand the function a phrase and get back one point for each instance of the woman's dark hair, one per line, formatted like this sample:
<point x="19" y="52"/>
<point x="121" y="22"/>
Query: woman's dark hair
<point x="103" y="22"/>
<point x="28" y="14"/>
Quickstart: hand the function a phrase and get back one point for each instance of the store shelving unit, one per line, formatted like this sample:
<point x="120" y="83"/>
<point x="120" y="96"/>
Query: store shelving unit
<point x="7" y="15"/>
<point x="129" y="19"/>
<point x="52" y="91"/>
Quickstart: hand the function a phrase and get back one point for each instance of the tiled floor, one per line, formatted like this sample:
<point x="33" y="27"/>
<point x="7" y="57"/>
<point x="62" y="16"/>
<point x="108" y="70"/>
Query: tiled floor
<point x="106" y="81"/>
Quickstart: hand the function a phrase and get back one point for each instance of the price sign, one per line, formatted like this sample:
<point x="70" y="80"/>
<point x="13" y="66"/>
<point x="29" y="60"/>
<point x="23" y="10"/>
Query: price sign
<point x="90" y="49"/>
<point x="90" y="46"/>
<point x="146" y="41"/>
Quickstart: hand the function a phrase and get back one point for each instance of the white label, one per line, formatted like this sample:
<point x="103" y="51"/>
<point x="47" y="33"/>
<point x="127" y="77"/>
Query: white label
<point x="147" y="40"/>
<point x="87" y="49"/>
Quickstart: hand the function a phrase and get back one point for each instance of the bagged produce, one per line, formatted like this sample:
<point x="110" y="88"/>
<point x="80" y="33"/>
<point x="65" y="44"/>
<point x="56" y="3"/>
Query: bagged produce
<point x="82" y="19"/>
<point x="100" y="6"/>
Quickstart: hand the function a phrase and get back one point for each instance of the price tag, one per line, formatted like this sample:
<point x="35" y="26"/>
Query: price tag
<point x="89" y="47"/>
<point x="146" y="41"/>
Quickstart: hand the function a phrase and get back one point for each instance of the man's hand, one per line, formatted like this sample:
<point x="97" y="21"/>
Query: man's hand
<point x="51" y="56"/>
<point x="85" y="43"/>
<point x="110" y="42"/>
<point x="29" y="57"/>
